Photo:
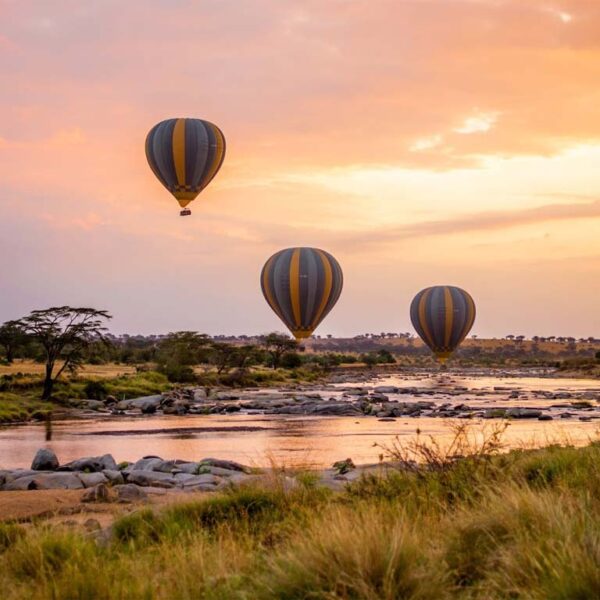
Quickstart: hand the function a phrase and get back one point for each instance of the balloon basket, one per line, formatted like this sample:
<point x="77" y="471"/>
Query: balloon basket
<point x="185" y="212"/>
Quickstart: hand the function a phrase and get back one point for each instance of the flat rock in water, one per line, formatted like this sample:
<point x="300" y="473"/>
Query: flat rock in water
<point x="523" y="413"/>
<point x="44" y="460"/>
<point x="153" y="400"/>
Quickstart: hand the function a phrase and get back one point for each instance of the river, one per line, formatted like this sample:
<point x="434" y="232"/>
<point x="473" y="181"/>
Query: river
<point x="261" y="440"/>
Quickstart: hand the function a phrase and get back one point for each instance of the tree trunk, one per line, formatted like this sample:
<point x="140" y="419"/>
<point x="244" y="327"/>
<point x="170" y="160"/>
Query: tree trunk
<point x="48" y="383"/>
<point x="10" y="354"/>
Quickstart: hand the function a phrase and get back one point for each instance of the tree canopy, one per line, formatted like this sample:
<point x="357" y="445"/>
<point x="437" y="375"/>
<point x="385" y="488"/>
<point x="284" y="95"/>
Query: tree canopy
<point x="65" y="333"/>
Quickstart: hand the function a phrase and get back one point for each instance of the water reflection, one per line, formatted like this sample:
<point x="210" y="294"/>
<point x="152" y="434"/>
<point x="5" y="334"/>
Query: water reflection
<point x="293" y="440"/>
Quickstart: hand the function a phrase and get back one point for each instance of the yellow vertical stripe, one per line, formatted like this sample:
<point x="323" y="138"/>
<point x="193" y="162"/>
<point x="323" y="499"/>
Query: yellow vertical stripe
<point x="449" y="315"/>
<point x="218" y="156"/>
<point x="326" y="289"/>
<point x="267" y="288"/>
<point x="179" y="150"/>
<point x="470" y="315"/>
<point x="295" y="285"/>
<point x="423" y="317"/>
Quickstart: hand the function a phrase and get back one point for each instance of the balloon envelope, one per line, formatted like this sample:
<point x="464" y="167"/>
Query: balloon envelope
<point x="442" y="316"/>
<point x="301" y="285"/>
<point x="185" y="155"/>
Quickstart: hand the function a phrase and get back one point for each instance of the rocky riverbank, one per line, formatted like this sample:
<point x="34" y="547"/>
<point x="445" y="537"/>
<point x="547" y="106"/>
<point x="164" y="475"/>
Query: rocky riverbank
<point x="441" y="397"/>
<point x="105" y="480"/>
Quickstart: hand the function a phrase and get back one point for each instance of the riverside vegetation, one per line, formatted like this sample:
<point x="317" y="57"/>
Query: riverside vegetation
<point x="525" y="524"/>
<point x="134" y="366"/>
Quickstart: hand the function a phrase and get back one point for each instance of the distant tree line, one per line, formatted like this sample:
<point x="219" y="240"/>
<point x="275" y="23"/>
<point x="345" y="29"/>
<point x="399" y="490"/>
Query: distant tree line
<point x="63" y="338"/>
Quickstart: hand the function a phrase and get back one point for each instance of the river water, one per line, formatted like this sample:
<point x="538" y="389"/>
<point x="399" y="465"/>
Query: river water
<point x="261" y="440"/>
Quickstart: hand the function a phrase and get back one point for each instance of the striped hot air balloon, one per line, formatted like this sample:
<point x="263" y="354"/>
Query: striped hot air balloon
<point x="442" y="316"/>
<point x="301" y="285"/>
<point x="185" y="155"/>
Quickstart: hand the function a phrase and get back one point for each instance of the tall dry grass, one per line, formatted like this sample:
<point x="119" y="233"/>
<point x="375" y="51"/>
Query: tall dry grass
<point x="524" y="524"/>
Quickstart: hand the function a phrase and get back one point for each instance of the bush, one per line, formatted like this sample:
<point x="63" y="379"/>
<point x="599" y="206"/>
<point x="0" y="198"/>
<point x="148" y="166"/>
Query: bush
<point x="291" y="360"/>
<point x="178" y="373"/>
<point x="95" y="390"/>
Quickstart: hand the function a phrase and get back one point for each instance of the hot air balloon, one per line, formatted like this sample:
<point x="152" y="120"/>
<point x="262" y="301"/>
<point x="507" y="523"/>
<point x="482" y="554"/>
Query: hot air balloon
<point x="185" y="155"/>
<point x="301" y="285"/>
<point x="443" y="316"/>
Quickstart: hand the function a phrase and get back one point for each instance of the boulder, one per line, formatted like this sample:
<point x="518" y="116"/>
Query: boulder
<point x="545" y="418"/>
<point x="91" y="464"/>
<point x="187" y="480"/>
<point x="226" y="396"/>
<point x="146" y="464"/>
<point x="90" y="480"/>
<point x="220" y="472"/>
<point x="199" y="395"/>
<point x="98" y="493"/>
<point x="152" y="478"/>
<point x="188" y="467"/>
<point x="130" y="493"/>
<point x="44" y="460"/>
<point x="345" y="409"/>
<point x="46" y="481"/>
<point x="93" y="404"/>
<point x="147" y="401"/>
<point x="386" y="389"/>
<point x="148" y="408"/>
<point x="114" y="477"/>
<point x="175" y="409"/>
<point x="224" y="464"/>
<point x="523" y="413"/>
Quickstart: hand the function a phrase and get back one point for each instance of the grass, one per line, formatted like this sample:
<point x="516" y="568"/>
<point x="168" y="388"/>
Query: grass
<point x="525" y="524"/>
<point x="15" y="408"/>
<point x="30" y="367"/>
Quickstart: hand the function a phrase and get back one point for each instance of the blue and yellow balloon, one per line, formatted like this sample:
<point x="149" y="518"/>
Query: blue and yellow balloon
<point x="301" y="285"/>
<point x="185" y="155"/>
<point x="442" y="315"/>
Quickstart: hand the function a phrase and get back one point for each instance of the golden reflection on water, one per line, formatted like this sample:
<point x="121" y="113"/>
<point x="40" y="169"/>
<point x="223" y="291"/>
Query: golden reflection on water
<point x="294" y="441"/>
<point x="299" y="440"/>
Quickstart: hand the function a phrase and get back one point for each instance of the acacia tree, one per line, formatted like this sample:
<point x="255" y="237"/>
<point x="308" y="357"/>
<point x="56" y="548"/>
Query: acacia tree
<point x="65" y="333"/>
<point x="226" y="356"/>
<point x="185" y="348"/>
<point x="277" y="344"/>
<point x="11" y="337"/>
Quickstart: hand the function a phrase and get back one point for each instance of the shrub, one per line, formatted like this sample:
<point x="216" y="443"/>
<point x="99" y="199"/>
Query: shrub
<point x="95" y="390"/>
<point x="291" y="360"/>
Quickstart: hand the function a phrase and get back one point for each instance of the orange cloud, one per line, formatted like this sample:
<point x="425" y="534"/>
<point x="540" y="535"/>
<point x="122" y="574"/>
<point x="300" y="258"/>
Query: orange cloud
<point x="349" y="123"/>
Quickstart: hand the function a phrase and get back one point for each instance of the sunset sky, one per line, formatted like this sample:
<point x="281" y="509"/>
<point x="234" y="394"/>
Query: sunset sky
<point x="420" y="142"/>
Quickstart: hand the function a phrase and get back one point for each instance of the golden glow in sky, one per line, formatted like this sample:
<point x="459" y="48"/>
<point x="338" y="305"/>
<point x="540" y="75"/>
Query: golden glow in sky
<point x="421" y="142"/>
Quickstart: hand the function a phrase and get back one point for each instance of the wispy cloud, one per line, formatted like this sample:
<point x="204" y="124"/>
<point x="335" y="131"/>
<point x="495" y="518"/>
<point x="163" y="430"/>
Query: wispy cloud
<point x="357" y="241"/>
